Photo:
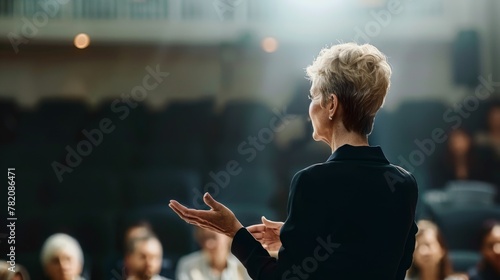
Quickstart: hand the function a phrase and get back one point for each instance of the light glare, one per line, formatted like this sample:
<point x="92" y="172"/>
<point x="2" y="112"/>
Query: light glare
<point x="82" y="41"/>
<point x="269" y="44"/>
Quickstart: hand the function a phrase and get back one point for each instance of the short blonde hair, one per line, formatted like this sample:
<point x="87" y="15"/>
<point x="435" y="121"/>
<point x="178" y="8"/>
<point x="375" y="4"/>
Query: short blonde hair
<point x="57" y="242"/>
<point x="358" y="75"/>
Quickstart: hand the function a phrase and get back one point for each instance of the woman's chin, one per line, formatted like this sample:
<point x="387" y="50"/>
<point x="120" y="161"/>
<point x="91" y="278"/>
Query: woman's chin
<point x="315" y="136"/>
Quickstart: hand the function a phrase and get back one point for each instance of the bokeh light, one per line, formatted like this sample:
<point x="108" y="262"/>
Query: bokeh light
<point x="82" y="41"/>
<point x="269" y="44"/>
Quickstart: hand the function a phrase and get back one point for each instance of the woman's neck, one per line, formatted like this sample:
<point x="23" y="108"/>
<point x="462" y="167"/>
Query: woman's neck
<point x="343" y="137"/>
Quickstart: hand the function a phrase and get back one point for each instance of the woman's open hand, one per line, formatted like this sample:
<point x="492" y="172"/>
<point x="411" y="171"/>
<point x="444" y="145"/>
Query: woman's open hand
<point x="219" y="218"/>
<point x="268" y="234"/>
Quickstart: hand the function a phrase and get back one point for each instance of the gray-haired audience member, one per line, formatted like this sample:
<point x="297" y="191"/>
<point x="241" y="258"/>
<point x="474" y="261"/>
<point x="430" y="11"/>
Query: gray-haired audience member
<point x="143" y="258"/>
<point x="62" y="257"/>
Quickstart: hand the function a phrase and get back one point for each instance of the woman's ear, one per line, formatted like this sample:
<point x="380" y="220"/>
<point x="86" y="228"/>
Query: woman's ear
<point x="332" y="106"/>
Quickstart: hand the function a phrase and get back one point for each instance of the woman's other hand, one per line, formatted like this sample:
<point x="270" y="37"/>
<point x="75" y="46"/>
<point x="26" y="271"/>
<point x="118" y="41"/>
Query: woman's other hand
<point x="268" y="234"/>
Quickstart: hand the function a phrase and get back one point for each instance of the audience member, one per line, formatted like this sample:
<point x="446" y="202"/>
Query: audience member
<point x="133" y="231"/>
<point x="214" y="261"/>
<point x="62" y="257"/>
<point x="143" y="258"/>
<point x="489" y="267"/>
<point x="430" y="258"/>
<point x="490" y="145"/>
<point x="137" y="230"/>
<point x="4" y="270"/>
<point x="492" y="137"/>
<point x="460" y="161"/>
<point x="20" y="273"/>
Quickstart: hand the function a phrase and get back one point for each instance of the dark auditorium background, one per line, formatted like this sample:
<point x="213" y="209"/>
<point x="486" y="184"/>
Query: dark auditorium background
<point x="110" y="108"/>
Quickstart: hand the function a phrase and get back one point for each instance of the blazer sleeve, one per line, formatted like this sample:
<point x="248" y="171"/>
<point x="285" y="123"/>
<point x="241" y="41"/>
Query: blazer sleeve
<point x="259" y="264"/>
<point x="407" y="258"/>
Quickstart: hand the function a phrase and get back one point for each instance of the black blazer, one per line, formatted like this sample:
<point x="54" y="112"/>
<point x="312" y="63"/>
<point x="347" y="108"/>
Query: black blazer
<point x="351" y="217"/>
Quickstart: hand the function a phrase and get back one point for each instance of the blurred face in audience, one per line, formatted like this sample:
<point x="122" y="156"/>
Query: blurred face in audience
<point x="428" y="251"/>
<point x="18" y="276"/>
<point x="63" y="266"/>
<point x="494" y="122"/>
<point x="491" y="248"/>
<point x="460" y="142"/>
<point x="145" y="261"/>
<point x="212" y="242"/>
<point x="136" y="232"/>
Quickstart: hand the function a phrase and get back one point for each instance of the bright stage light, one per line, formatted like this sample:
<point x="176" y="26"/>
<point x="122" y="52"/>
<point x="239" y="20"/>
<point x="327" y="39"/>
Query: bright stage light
<point x="82" y="41"/>
<point x="269" y="44"/>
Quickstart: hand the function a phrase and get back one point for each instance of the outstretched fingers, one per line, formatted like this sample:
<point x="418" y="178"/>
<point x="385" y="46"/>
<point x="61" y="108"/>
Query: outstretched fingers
<point x="201" y="218"/>
<point x="189" y="215"/>
<point x="210" y="201"/>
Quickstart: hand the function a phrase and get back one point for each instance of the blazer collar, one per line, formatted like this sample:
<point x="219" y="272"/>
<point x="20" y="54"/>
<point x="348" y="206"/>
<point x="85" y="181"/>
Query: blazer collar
<point x="359" y="153"/>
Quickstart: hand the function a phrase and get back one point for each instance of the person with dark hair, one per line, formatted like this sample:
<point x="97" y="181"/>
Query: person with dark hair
<point x="460" y="161"/>
<point x="137" y="230"/>
<point x="489" y="143"/>
<point x="143" y="258"/>
<point x="351" y="217"/>
<point x="489" y="266"/>
<point x="430" y="259"/>
<point x="492" y="135"/>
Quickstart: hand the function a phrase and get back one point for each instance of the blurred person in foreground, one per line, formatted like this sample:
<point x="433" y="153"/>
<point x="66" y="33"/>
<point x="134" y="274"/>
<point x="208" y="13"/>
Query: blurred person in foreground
<point x="4" y="270"/>
<point x="137" y="229"/>
<point x="143" y="258"/>
<point x="430" y="259"/>
<point x="17" y="272"/>
<point x="62" y="258"/>
<point x="351" y="217"/>
<point x="489" y="267"/>
<point x="213" y="262"/>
